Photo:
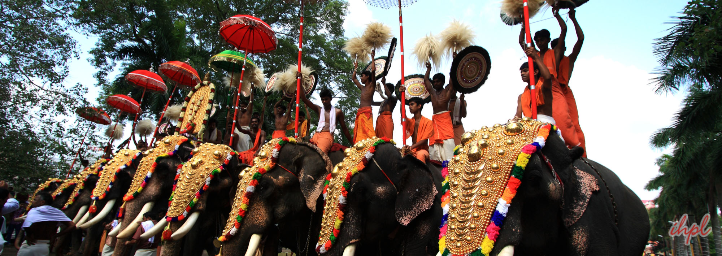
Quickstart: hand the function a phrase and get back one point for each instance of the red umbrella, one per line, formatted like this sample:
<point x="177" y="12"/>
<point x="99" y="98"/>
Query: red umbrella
<point x="124" y="103"/>
<point x="251" y="35"/>
<point x="94" y="115"/>
<point x="181" y="73"/>
<point x="146" y="79"/>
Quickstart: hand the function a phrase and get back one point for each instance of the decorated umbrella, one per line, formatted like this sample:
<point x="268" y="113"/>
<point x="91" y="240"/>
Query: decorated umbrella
<point x="180" y="73"/>
<point x="386" y="4"/>
<point x="232" y="62"/>
<point x="149" y="81"/>
<point x="251" y="35"/>
<point x="94" y="115"/>
<point x="124" y="104"/>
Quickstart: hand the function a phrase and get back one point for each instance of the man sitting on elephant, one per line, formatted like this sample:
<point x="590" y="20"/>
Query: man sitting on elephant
<point x="328" y="118"/>
<point x="419" y="128"/>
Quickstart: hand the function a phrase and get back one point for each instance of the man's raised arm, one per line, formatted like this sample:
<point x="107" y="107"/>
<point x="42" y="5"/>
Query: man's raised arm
<point x="559" y="49"/>
<point x="580" y="39"/>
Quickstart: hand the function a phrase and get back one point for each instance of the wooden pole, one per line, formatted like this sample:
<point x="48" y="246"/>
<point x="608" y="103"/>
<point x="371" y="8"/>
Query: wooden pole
<point x="403" y="93"/>
<point x="162" y="114"/>
<point x="532" y="81"/>
<point x="78" y="154"/>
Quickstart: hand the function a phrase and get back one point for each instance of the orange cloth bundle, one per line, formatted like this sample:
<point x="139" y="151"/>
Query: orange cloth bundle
<point x="385" y="125"/>
<point x="364" y="126"/>
<point x="279" y="134"/>
<point x="443" y="129"/>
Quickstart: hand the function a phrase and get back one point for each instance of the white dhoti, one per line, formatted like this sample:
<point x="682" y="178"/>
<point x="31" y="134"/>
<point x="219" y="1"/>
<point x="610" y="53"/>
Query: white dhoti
<point x="442" y="151"/>
<point x="40" y="248"/>
<point x="244" y="140"/>
<point x="145" y="252"/>
<point x="107" y="250"/>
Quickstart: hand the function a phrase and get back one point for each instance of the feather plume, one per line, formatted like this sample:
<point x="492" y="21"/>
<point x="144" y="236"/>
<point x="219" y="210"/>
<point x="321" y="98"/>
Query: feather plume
<point x="259" y="78"/>
<point x="358" y="49"/>
<point x="428" y="48"/>
<point x="232" y="81"/>
<point x="455" y="37"/>
<point x="287" y="80"/>
<point x="514" y="9"/>
<point x="173" y="112"/>
<point x="377" y="35"/>
<point x="118" y="134"/>
<point x="144" y="127"/>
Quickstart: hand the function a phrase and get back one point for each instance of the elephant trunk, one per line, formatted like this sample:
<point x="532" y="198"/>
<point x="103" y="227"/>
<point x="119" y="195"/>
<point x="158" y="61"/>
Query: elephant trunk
<point x="104" y="212"/>
<point x="172" y="247"/>
<point x="186" y="227"/>
<point x="253" y="244"/>
<point x="130" y="228"/>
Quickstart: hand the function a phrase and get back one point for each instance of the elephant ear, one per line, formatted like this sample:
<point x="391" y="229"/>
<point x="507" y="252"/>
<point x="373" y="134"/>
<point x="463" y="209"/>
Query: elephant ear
<point x="416" y="193"/>
<point x="312" y="174"/>
<point x="581" y="191"/>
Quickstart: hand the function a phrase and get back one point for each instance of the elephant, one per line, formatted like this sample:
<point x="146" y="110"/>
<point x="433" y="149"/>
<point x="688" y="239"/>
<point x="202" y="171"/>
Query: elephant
<point x="113" y="183"/>
<point x="189" y="233"/>
<point x="392" y="208"/>
<point x="153" y="197"/>
<point x="565" y="204"/>
<point x="284" y="207"/>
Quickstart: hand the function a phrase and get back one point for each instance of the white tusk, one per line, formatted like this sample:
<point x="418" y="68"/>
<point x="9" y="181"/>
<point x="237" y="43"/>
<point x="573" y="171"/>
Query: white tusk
<point x="83" y="219"/>
<point x="115" y="230"/>
<point x="104" y="212"/>
<point x="155" y="229"/>
<point x="507" y="251"/>
<point x="438" y="254"/>
<point x="81" y="212"/>
<point x="253" y="244"/>
<point x="132" y="226"/>
<point x="350" y="250"/>
<point x="186" y="227"/>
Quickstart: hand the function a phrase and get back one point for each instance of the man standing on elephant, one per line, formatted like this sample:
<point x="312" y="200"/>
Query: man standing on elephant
<point x="442" y="144"/>
<point x="419" y="128"/>
<point x="364" y="126"/>
<point x="457" y="106"/>
<point x="282" y="114"/>
<point x="384" y="122"/>
<point x="328" y="117"/>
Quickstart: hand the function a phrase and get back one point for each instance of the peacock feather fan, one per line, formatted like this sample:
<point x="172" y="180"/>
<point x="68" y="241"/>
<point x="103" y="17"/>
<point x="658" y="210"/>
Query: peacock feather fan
<point x="358" y="49"/>
<point x="428" y="48"/>
<point x="118" y="134"/>
<point x="173" y="112"/>
<point x="456" y="37"/>
<point x="145" y="127"/>
<point x="377" y="35"/>
<point x="512" y="11"/>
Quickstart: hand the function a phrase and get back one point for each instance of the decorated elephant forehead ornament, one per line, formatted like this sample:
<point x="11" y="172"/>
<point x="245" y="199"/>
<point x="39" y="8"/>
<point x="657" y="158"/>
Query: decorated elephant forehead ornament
<point x="480" y="182"/>
<point x="66" y="184"/>
<point x="249" y="177"/>
<point x="94" y="169"/>
<point x="43" y="186"/>
<point x="194" y="177"/>
<point x="120" y="161"/>
<point x="196" y="109"/>
<point x="336" y="187"/>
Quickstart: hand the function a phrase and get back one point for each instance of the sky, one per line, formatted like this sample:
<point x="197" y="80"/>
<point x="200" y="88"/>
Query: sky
<point x="618" y="107"/>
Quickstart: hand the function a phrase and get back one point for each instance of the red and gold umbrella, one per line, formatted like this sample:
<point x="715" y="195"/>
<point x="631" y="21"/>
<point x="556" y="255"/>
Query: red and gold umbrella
<point x="94" y="115"/>
<point x="251" y="35"/>
<point x="181" y="73"/>
<point x="123" y="103"/>
<point x="149" y="81"/>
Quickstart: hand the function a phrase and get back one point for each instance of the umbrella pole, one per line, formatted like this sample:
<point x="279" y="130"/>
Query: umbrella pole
<point x="78" y="154"/>
<point x="135" y="120"/>
<point x="238" y="98"/>
<point x="403" y="93"/>
<point x="162" y="114"/>
<point x="532" y="81"/>
<point x="298" y="79"/>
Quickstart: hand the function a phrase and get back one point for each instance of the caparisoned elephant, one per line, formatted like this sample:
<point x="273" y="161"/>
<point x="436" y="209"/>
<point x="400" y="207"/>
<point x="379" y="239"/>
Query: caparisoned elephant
<point x="564" y="205"/>
<point x="200" y="201"/>
<point x="283" y="206"/>
<point x="392" y="205"/>
<point x="151" y="187"/>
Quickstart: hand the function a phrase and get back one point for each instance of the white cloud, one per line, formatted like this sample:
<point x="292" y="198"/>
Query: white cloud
<point x="358" y="16"/>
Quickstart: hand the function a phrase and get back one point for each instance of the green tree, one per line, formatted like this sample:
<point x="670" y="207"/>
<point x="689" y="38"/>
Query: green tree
<point x="143" y="34"/>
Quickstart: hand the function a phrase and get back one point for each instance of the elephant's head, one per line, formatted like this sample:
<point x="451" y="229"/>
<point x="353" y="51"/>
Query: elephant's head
<point x="151" y="186"/>
<point x="284" y="198"/>
<point x="201" y="197"/>
<point x="64" y="191"/>
<point x="393" y="198"/>
<point x="507" y="187"/>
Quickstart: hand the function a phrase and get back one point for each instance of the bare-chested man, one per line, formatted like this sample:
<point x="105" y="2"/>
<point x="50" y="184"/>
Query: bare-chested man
<point x="384" y="122"/>
<point x="282" y="114"/>
<point x="442" y="143"/>
<point x="364" y="125"/>
<point x="327" y="120"/>
<point x="41" y="226"/>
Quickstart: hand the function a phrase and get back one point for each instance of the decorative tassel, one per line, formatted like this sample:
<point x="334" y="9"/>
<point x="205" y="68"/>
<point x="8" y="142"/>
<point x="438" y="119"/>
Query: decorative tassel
<point x="167" y="233"/>
<point x="121" y="211"/>
<point x="93" y="208"/>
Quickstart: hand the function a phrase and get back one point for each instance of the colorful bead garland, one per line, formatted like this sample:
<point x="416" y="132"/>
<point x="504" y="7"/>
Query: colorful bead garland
<point x="94" y="169"/>
<point x="247" y="185"/>
<point x="100" y="193"/>
<point x="499" y="214"/>
<point x="336" y="185"/>
<point x="190" y="125"/>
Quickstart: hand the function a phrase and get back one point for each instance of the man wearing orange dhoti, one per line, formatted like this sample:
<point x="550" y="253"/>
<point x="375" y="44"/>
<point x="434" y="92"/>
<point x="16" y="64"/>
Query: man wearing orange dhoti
<point x="364" y="126"/>
<point x="442" y="143"/>
<point x="384" y="122"/>
<point x="282" y="114"/>
<point x="327" y="119"/>
<point x="260" y="138"/>
<point x="419" y="128"/>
